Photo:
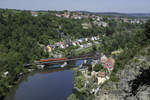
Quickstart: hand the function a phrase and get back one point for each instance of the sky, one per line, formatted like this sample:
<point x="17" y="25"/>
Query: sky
<point x="123" y="6"/>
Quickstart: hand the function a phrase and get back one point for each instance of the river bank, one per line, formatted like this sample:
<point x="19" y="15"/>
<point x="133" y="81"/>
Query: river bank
<point x="18" y="80"/>
<point x="56" y="71"/>
<point x="46" y="84"/>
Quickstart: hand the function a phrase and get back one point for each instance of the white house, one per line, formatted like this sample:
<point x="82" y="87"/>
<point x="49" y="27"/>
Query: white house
<point x="81" y="46"/>
<point x="6" y="73"/>
<point x="62" y="46"/>
<point x="80" y="40"/>
<point x="104" y="24"/>
<point x="95" y="38"/>
<point x="92" y="38"/>
<point x="67" y="45"/>
<point x="79" y="17"/>
<point x="96" y="42"/>
<point x="35" y="14"/>
<point x="74" y="44"/>
<point x="86" y="39"/>
<point x="89" y="44"/>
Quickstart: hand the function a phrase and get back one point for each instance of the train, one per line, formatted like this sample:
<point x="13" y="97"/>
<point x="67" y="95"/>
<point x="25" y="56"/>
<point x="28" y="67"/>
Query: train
<point x="52" y="59"/>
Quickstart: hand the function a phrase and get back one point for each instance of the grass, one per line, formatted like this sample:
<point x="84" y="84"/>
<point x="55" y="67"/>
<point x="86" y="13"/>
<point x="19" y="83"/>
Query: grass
<point x="83" y="51"/>
<point x="86" y="50"/>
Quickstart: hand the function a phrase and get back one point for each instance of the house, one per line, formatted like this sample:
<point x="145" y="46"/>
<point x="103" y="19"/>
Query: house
<point x="92" y="38"/>
<point x="95" y="38"/>
<point x="109" y="64"/>
<point x="89" y="44"/>
<point x="34" y="13"/>
<point x="6" y="73"/>
<point x="135" y="21"/>
<point x="79" y="17"/>
<point x="66" y="14"/>
<point x="58" y="15"/>
<point x="96" y="42"/>
<point x="102" y="77"/>
<point x="125" y="20"/>
<point x="74" y="44"/>
<point x="116" y="18"/>
<point x="92" y="16"/>
<point x="80" y="40"/>
<point x="77" y="43"/>
<point x="104" y="24"/>
<point x="86" y="25"/>
<point x="112" y="60"/>
<point x="103" y="59"/>
<point x="67" y="45"/>
<point x="117" y="52"/>
<point x="48" y="48"/>
<point x="93" y="73"/>
<point x="98" y="18"/>
<point x="81" y="46"/>
<point x="101" y="74"/>
<point x="53" y="46"/>
<point x="101" y="80"/>
<point x="58" y="56"/>
<point x="75" y="16"/>
<point x="85" y="16"/>
<point x="62" y="46"/>
<point x="86" y="39"/>
<point x="100" y="23"/>
<point x="68" y="42"/>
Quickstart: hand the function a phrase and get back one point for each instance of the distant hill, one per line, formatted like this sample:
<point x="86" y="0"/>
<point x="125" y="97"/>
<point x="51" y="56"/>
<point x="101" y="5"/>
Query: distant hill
<point x="125" y="14"/>
<point x="98" y="13"/>
<point x="118" y="14"/>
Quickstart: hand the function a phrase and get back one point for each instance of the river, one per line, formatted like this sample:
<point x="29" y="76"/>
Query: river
<point x="50" y="84"/>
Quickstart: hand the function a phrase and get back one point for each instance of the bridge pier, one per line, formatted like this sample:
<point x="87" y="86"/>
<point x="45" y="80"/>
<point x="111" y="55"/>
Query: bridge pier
<point x="40" y="66"/>
<point x="65" y="63"/>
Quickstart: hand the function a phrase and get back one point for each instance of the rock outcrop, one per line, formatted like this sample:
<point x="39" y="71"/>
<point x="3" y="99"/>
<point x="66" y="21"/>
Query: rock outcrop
<point x="134" y="81"/>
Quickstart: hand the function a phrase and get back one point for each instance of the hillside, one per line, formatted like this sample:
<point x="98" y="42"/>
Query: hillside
<point x="133" y="81"/>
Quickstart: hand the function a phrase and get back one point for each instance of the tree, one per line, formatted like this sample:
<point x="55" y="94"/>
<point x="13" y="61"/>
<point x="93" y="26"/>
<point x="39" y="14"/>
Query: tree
<point x="94" y="47"/>
<point x="90" y="68"/>
<point x="97" y="67"/>
<point x="72" y="97"/>
<point x="147" y="29"/>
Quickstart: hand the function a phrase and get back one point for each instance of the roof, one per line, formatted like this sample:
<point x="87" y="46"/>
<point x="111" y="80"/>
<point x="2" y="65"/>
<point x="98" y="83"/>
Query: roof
<point x="109" y="63"/>
<point x="103" y="59"/>
<point x="101" y="74"/>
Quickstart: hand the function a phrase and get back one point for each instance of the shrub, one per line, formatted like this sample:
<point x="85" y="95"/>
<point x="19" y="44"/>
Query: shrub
<point x="72" y="97"/>
<point x="79" y="82"/>
<point x="97" y="67"/>
<point x="90" y="68"/>
<point x="147" y="29"/>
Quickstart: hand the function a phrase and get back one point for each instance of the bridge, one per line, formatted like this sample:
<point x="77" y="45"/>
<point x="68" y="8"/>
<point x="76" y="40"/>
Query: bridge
<point x="60" y="61"/>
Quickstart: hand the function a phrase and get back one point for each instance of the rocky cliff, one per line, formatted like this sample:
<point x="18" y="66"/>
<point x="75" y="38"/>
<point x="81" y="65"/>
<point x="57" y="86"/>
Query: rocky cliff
<point x="134" y="80"/>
